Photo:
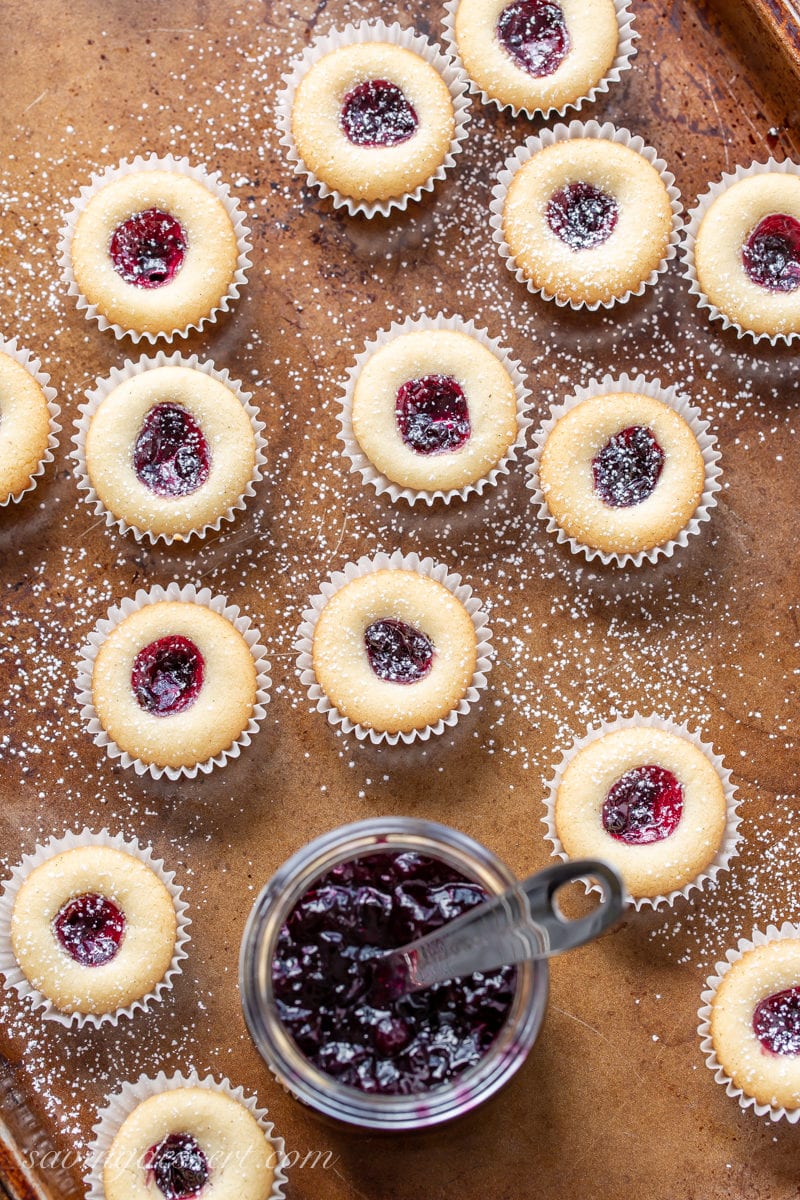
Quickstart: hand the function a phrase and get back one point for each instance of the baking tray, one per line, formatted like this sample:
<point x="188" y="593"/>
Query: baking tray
<point x="615" y="1100"/>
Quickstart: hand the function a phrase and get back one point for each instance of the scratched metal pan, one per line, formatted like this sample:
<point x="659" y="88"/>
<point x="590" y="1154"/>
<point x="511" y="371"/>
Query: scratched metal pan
<point x="615" y="1100"/>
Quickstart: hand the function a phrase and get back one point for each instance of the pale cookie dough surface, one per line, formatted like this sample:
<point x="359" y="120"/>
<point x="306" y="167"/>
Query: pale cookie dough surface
<point x="148" y="942"/>
<point x="660" y="867"/>
<point x="240" y="1157"/>
<point x="222" y="708"/>
<point x="567" y="480"/>
<point x="636" y="245"/>
<point x="115" y="427"/>
<point x="488" y="389"/>
<point x="24" y="426"/>
<point x="342" y="666"/>
<point x="772" y="1079"/>
<point x="593" y="32"/>
<point x="371" y="172"/>
<point x="724" y="230"/>
<point x="208" y="268"/>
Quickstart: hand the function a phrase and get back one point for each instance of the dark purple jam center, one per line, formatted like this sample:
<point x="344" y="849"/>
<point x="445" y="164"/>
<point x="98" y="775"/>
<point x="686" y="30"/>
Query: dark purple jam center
<point x="432" y="414"/>
<point x="582" y="215"/>
<point x="643" y="806"/>
<point x="776" y="1022"/>
<point x="167" y="676"/>
<point x="148" y="249"/>
<point x="90" y="928"/>
<point x="628" y="467"/>
<point x="771" y="254"/>
<point x="535" y="34"/>
<point x="377" y="113"/>
<point x="398" y="652"/>
<point x="323" y="980"/>
<point x="177" y="1166"/>
<point x="171" y="456"/>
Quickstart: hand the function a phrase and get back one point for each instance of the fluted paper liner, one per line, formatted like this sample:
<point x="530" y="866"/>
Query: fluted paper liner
<point x="13" y="976"/>
<point x="103" y="387"/>
<point x="693" y="222"/>
<point x="130" y="1095"/>
<point x="364" y="466"/>
<point x="211" y="180"/>
<point x="189" y="594"/>
<point x="394" y="562"/>
<point x="34" y="367"/>
<point x="373" y="31"/>
<point x="773" y="933"/>
<point x="638" y="384"/>
<point x="623" y="60"/>
<point x="561" y="133"/>
<point x="729" y="846"/>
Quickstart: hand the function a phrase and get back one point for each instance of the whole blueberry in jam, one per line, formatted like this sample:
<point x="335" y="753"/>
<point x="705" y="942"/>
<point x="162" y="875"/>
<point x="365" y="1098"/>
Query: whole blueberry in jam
<point x="377" y="113"/>
<point x="171" y="455"/>
<point x="535" y="34"/>
<point x="432" y="414"/>
<point x="643" y="806"/>
<point x="167" y="675"/>
<point x="148" y="248"/>
<point x="771" y="254"/>
<point x="582" y="215"/>
<point x="628" y="467"/>
<point x="776" y="1022"/>
<point x="90" y="928"/>
<point x="398" y="652"/>
<point x="324" y="982"/>
<point x="177" y="1166"/>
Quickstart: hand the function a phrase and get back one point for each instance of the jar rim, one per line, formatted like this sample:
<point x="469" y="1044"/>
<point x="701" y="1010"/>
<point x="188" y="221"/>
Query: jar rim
<point x="323" y="1092"/>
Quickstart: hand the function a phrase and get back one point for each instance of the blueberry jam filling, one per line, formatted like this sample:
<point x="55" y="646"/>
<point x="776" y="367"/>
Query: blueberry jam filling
<point x="177" y="1166"/>
<point x="628" y="467"/>
<point x="90" y="928"/>
<point x="148" y="248"/>
<point x="776" y="1022"/>
<point x="377" y="113"/>
<point x="324" y="982"/>
<point x="582" y="215"/>
<point x="398" y="652"/>
<point x="643" y="806"/>
<point x="171" y="456"/>
<point x="771" y="254"/>
<point x="167" y="676"/>
<point x="432" y="414"/>
<point x="535" y="34"/>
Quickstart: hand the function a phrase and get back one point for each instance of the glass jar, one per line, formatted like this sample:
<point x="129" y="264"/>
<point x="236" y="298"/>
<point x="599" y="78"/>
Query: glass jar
<point x="323" y="1092"/>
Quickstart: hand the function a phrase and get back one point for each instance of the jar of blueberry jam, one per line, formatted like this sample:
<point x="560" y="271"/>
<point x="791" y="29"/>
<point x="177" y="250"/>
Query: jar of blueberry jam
<point x="314" y="1003"/>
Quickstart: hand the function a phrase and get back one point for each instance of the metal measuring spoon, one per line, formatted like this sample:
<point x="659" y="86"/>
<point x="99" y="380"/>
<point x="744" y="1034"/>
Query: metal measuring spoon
<point x="521" y="923"/>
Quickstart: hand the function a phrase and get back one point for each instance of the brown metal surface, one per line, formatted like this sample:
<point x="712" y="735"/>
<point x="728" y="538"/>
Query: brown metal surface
<point x="615" y="1101"/>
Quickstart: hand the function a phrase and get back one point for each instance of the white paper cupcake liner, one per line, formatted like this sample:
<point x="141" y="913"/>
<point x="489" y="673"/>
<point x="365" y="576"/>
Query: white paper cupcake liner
<point x="34" y="367"/>
<point x="373" y="31"/>
<point x="15" y="980"/>
<point x="693" y="222"/>
<point x="626" y="51"/>
<point x="129" y="1096"/>
<point x="212" y="180"/>
<point x="191" y="595"/>
<point x="729" y="848"/>
<point x="394" y="562"/>
<point x="106" y="384"/>
<point x="362" y="464"/>
<point x="561" y="133"/>
<point x="699" y="427"/>
<point x="773" y="933"/>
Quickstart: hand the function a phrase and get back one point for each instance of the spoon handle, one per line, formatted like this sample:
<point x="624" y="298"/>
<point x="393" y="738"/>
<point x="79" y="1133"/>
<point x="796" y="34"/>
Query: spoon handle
<point x="522" y="923"/>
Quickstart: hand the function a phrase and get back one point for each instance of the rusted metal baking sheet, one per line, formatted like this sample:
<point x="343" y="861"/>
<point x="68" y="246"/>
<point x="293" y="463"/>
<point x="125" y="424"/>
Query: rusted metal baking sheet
<point x="615" y="1100"/>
